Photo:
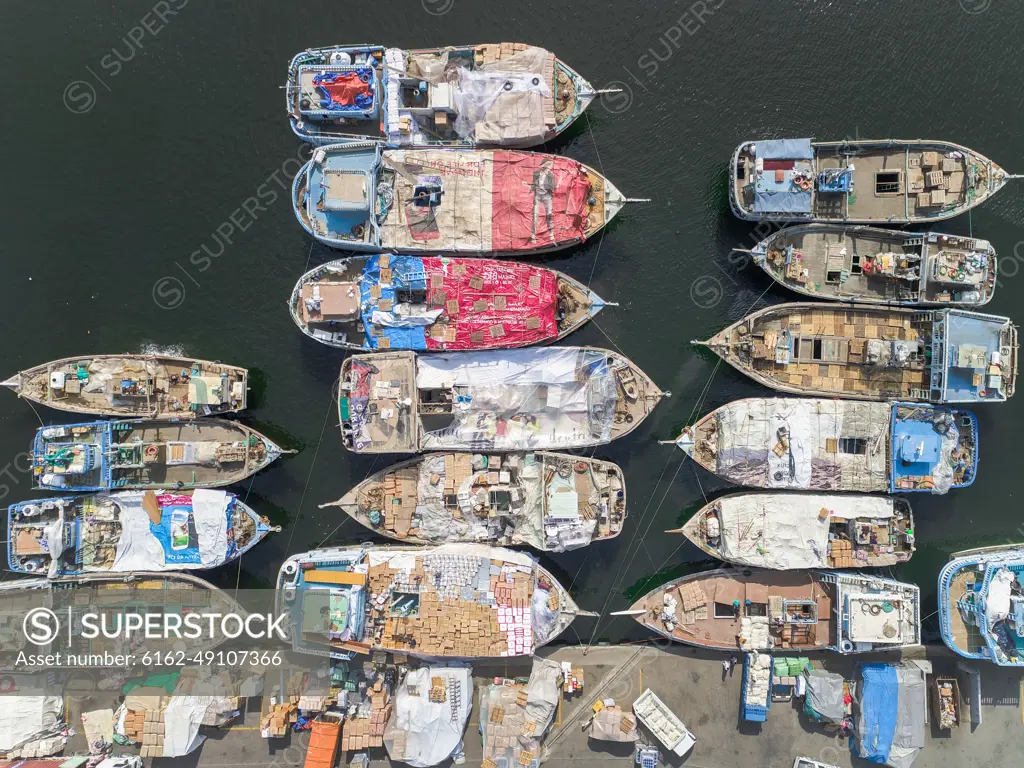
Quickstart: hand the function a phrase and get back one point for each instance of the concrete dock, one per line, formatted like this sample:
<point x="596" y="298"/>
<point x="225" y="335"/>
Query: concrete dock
<point x="695" y="685"/>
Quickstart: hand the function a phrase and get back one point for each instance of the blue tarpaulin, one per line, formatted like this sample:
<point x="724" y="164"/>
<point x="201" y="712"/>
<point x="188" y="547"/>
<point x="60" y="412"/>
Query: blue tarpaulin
<point x="879" y="696"/>
<point x="785" y="149"/>
<point x="406" y="272"/>
<point x="782" y="202"/>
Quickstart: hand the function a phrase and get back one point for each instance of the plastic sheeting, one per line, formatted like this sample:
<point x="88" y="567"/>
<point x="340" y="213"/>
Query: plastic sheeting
<point x="422" y="732"/>
<point x="182" y="718"/>
<point x="823" y="698"/>
<point x="522" y="727"/>
<point x="889" y="727"/>
<point x="522" y="399"/>
<point x="607" y="724"/>
<point x="486" y="303"/>
<point x="28" y="718"/>
<point x="749" y="452"/>
<point x="505" y="99"/>
<point x="192" y="532"/>
<point x="784" y="531"/>
<point x="489" y="201"/>
<point x="997" y="602"/>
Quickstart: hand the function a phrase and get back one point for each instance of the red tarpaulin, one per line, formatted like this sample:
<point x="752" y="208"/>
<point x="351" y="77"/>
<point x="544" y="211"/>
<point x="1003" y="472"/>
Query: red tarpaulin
<point x="536" y="200"/>
<point x="496" y="303"/>
<point x="342" y="89"/>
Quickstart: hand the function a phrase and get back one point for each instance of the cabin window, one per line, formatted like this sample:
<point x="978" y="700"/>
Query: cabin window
<point x="741" y="170"/>
<point x="757" y="609"/>
<point x="725" y="611"/>
<point x="853" y="445"/>
<point x="855" y="265"/>
<point x="888" y="182"/>
<point x="834" y="276"/>
<point x="796" y="349"/>
<point x="816" y="354"/>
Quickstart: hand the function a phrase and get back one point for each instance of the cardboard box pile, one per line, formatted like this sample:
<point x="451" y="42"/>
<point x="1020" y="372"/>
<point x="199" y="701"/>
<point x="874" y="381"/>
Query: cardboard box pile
<point x="276" y="722"/>
<point x="152" y="734"/>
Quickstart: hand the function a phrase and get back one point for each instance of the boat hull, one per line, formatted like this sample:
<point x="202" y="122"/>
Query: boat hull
<point x="570" y="95"/>
<point x="138" y="454"/>
<point x="897" y="200"/>
<point x="424" y="635"/>
<point x="513" y="312"/>
<point x="834" y="262"/>
<point x="457" y="525"/>
<point x="151" y="386"/>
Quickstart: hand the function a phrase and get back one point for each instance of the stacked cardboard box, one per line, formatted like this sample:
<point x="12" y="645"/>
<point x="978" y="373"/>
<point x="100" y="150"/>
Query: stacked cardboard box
<point x="275" y="723"/>
<point x="840" y="554"/>
<point x="153" y="734"/>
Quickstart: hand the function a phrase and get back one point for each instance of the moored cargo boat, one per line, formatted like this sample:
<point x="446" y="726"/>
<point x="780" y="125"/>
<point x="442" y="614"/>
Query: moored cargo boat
<point x="859" y="182"/>
<point x="874" y="353"/>
<point x="981" y="604"/>
<point x="836" y="445"/>
<point x="130" y="531"/>
<point x="492" y="94"/>
<point x="432" y="303"/>
<point x="361" y="197"/>
<point x="789" y="531"/>
<point x="139" y="454"/>
<point x="784" y="610"/>
<point x="553" y="502"/>
<point x="869" y="265"/>
<point x="453" y="601"/>
<point x="111" y="598"/>
<point x="157" y="386"/>
<point x="510" y="400"/>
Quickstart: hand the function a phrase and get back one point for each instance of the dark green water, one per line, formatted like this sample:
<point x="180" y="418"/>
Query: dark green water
<point x="127" y="142"/>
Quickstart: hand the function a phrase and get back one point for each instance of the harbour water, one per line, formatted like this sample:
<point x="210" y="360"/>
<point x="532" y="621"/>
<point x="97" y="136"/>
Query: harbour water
<point x="147" y="161"/>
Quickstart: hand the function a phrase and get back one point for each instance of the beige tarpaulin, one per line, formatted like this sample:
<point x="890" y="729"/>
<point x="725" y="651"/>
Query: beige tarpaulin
<point x="612" y="724"/>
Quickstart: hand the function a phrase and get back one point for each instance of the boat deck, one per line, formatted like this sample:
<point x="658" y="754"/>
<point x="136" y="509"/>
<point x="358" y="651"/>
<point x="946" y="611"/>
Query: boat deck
<point x="966" y="637"/>
<point x="553" y="502"/>
<point x="833" y="350"/>
<point x="706" y="612"/>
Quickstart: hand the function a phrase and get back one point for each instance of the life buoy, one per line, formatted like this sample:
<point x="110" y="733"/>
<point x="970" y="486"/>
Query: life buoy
<point x="364" y="77"/>
<point x="805" y="184"/>
<point x="7" y="684"/>
<point x="152" y="450"/>
<point x="943" y="271"/>
<point x="982" y="393"/>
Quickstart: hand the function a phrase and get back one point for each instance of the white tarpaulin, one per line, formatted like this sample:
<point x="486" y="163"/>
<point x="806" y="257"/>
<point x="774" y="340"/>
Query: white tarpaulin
<point x="522" y="398"/>
<point x="785" y="530"/>
<point x="779" y="442"/>
<point x="27" y="718"/>
<point x="182" y="719"/>
<point x="139" y="549"/>
<point x="422" y="732"/>
<point x="997" y="604"/>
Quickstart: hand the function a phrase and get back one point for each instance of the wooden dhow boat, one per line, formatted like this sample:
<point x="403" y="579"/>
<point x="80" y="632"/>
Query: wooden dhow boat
<point x="859" y="182"/>
<point x="788" y="531"/>
<point x="141" y="454"/>
<point x="869" y="265"/>
<point x="460" y="601"/>
<point x="493" y="94"/>
<point x="552" y="502"/>
<point x="154" y="386"/>
<point x="981" y="604"/>
<point x="362" y="197"/>
<point x="796" y="611"/>
<point x="433" y="303"/>
<point x="128" y="531"/>
<point x="508" y="400"/>
<point x="875" y="353"/>
<point x="113" y="597"/>
<point x="788" y="443"/>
